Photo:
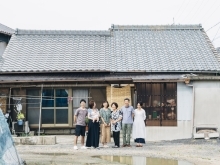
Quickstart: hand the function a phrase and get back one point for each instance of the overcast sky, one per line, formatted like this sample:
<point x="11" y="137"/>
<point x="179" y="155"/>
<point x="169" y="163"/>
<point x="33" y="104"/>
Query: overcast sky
<point x="100" y="14"/>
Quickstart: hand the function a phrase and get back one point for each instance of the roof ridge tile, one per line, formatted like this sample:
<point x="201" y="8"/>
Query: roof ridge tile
<point x="157" y="27"/>
<point x="63" y="32"/>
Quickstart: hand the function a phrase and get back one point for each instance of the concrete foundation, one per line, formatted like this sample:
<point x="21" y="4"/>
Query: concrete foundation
<point x="35" y="140"/>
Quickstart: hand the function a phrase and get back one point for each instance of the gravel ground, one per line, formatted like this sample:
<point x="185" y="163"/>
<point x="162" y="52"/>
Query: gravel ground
<point x="199" y="152"/>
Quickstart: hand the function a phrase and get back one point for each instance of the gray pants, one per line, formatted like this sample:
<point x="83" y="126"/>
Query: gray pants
<point x="126" y="130"/>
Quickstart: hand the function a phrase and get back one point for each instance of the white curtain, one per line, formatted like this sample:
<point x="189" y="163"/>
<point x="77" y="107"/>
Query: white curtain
<point x="79" y="94"/>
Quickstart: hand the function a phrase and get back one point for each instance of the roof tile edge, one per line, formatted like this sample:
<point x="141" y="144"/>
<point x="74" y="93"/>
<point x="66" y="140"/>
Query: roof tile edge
<point x="214" y="50"/>
<point x="63" y="32"/>
<point x="157" y="27"/>
<point x="6" y="30"/>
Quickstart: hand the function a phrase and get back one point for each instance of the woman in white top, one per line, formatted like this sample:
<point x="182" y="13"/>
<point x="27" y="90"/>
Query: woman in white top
<point x="138" y="130"/>
<point x="93" y="132"/>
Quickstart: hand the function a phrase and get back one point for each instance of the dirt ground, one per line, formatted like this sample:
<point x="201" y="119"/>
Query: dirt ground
<point x="199" y="152"/>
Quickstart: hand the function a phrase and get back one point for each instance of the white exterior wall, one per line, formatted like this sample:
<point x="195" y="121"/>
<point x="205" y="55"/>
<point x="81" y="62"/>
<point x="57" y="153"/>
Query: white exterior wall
<point x="183" y="130"/>
<point x="2" y="47"/>
<point x="207" y="103"/>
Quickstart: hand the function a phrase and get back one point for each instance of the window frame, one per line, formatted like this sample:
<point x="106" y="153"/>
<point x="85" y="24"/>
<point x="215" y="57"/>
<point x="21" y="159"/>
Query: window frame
<point x="55" y="108"/>
<point x="69" y="122"/>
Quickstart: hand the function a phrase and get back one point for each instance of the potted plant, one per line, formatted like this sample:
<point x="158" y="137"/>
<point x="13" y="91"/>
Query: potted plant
<point x="20" y="118"/>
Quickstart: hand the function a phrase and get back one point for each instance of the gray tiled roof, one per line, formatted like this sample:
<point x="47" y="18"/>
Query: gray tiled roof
<point x="44" y="51"/>
<point x="218" y="50"/>
<point x="173" y="48"/>
<point x="164" y="48"/>
<point x="6" y="30"/>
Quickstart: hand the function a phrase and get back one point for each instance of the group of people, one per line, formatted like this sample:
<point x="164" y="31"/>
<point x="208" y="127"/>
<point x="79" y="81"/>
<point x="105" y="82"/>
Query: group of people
<point x="109" y="119"/>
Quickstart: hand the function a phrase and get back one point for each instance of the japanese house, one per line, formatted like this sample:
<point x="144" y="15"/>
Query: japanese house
<point x="173" y="69"/>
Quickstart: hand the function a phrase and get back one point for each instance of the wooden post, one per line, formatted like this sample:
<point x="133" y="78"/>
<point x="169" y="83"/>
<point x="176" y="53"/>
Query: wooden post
<point x="40" y="109"/>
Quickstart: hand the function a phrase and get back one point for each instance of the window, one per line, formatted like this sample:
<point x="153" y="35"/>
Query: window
<point x="55" y="106"/>
<point x="55" y="109"/>
<point x="159" y="101"/>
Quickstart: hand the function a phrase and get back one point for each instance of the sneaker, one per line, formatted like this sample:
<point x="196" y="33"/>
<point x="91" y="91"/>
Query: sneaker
<point x="128" y="145"/>
<point x="75" y="148"/>
<point x="97" y="148"/>
<point x="83" y="147"/>
<point x="105" y="146"/>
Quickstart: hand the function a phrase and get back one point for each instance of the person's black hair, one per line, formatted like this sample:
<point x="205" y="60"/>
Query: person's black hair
<point x="114" y="103"/>
<point x="139" y="102"/>
<point x="127" y="99"/>
<point x="82" y="100"/>
<point x="91" y="104"/>
<point x="105" y="102"/>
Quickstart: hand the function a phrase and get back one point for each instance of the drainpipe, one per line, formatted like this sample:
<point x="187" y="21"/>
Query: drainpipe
<point x="40" y="110"/>
<point x="193" y="106"/>
<point x="111" y="93"/>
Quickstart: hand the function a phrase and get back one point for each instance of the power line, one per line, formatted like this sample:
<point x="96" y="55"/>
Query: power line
<point x="212" y="27"/>
<point x="212" y="13"/>
<point x="179" y="9"/>
<point x="184" y="10"/>
<point x="207" y="12"/>
<point x="216" y="34"/>
<point x="216" y="38"/>
<point x="201" y="4"/>
<point x="192" y="9"/>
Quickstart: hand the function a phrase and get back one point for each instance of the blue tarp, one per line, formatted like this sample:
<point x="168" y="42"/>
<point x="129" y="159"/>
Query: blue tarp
<point x="8" y="152"/>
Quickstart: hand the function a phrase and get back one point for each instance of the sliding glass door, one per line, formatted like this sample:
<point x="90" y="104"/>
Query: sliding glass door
<point x="55" y="108"/>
